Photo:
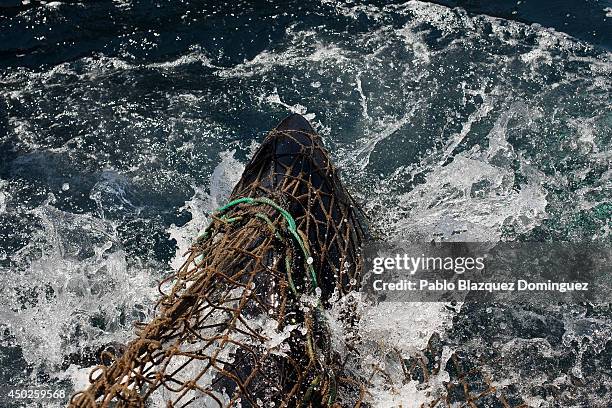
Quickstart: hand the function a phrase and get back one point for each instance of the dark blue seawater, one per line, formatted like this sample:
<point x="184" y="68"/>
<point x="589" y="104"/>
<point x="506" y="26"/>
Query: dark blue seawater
<point x="587" y="20"/>
<point x="122" y="123"/>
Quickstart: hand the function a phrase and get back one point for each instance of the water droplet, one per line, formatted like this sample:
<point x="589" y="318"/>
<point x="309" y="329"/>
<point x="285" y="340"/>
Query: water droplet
<point x="309" y="261"/>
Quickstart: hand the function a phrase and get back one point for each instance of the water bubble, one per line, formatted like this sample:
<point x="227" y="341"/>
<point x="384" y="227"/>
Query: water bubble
<point x="65" y="187"/>
<point x="309" y="261"/>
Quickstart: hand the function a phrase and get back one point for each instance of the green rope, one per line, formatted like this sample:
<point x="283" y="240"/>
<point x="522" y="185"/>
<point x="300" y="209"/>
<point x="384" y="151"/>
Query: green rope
<point x="289" y="277"/>
<point x="311" y="390"/>
<point x="333" y="392"/>
<point x="291" y="227"/>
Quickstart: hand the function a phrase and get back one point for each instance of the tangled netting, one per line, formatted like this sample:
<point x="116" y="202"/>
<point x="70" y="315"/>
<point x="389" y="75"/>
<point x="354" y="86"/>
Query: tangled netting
<point x="467" y="384"/>
<point x="242" y="322"/>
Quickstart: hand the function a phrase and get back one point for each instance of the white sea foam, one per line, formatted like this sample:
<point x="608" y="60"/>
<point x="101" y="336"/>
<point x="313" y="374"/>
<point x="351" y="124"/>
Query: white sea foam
<point x="3" y="196"/>
<point x="225" y="175"/>
<point x="75" y="281"/>
<point x="374" y="86"/>
<point x="275" y="99"/>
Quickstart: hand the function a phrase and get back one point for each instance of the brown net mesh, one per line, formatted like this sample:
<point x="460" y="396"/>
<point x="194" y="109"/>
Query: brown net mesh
<point x="243" y="321"/>
<point x="440" y="377"/>
<point x="468" y="385"/>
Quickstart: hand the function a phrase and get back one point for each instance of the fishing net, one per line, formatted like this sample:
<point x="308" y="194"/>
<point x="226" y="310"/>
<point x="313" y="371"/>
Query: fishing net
<point x="438" y="376"/>
<point x="242" y="322"/>
<point x="467" y="384"/>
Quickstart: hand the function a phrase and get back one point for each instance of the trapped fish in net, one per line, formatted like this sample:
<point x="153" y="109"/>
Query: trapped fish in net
<point x="244" y="322"/>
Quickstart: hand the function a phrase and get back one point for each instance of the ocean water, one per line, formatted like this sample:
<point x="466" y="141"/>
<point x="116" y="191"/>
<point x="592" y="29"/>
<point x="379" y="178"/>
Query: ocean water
<point x="122" y="123"/>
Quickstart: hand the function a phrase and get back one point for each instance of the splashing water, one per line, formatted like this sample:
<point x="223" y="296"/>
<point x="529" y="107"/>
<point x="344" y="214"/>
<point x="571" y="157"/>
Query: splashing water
<point x="445" y="124"/>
